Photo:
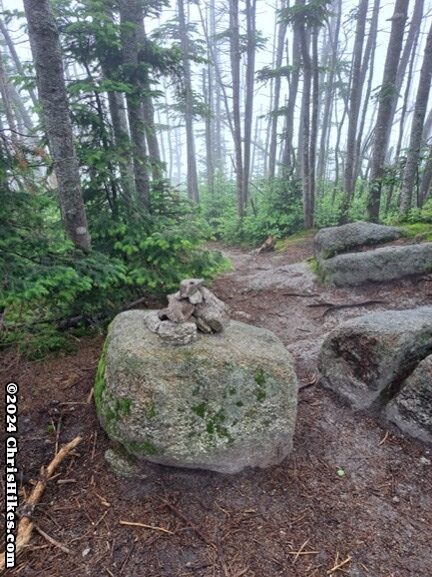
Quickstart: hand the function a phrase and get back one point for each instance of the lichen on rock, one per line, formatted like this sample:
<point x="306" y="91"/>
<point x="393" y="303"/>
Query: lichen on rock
<point x="223" y="402"/>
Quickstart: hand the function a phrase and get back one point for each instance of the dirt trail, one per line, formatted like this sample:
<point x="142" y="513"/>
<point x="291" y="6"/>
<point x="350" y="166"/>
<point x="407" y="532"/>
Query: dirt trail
<point x="299" y="519"/>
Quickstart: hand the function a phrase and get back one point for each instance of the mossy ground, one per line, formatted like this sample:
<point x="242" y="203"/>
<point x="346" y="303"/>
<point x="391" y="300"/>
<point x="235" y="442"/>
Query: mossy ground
<point x="423" y="230"/>
<point x="285" y="243"/>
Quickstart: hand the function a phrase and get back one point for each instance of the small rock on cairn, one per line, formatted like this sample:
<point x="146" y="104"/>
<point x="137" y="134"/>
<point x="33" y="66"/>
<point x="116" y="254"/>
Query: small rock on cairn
<point x="191" y="309"/>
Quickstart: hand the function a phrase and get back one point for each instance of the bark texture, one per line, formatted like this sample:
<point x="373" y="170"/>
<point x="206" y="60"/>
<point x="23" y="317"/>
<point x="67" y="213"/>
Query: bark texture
<point x="354" y="108"/>
<point x="192" y="176"/>
<point x="414" y="150"/>
<point x="386" y="100"/>
<point x="45" y="45"/>
<point x="132" y="38"/>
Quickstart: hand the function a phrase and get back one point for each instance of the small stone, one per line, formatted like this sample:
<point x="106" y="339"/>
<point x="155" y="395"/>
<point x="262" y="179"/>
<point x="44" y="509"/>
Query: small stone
<point x="424" y="461"/>
<point x="153" y="321"/>
<point x="396" y="499"/>
<point x="178" y="333"/>
<point x="86" y="551"/>
<point x="242" y="316"/>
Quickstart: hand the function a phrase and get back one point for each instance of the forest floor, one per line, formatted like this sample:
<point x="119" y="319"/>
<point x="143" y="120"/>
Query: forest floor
<point x="298" y="519"/>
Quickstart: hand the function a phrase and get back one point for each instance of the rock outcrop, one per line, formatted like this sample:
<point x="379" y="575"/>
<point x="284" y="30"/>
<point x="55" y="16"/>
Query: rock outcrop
<point x="223" y="402"/>
<point x="352" y="255"/>
<point x="411" y="408"/>
<point x="335" y="240"/>
<point x="378" y="265"/>
<point x="369" y="357"/>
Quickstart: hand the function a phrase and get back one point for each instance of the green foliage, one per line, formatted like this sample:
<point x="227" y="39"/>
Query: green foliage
<point x="328" y="201"/>
<point x="45" y="282"/>
<point x="314" y="13"/>
<point x="417" y="223"/>
<point x="274" y="209"/>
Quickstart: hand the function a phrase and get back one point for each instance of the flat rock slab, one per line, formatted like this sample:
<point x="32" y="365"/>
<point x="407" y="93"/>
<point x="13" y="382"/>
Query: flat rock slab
<point x="293" y="277"/>
<point x="369" y="356"/>
<point x="411" y="409"/>
<point x="335" y="240"/>
<point x="223" y="402"/>
<point x="378" y="265"/>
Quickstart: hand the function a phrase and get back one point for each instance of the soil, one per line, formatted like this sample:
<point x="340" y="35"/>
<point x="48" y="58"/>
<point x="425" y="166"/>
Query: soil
<point x="353" y="493"/>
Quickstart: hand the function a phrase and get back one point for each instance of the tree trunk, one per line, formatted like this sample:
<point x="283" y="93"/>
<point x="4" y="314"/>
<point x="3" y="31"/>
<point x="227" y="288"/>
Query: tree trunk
<point x="235" y="71"/>
<point x="16" y="59"/>
<point x="192" y="176"/>
<point x="329" y="88"/>
<point x="6" y="96"/>
<point x="387" y="96"/>
<point x="276" y="96"/>
<point x="45" y="45"/>
<point x="354" y="108"/>
<point x="150" y="130"/>
<point x="122" y="142"/>
<point x="426" y="181"/>
<point x="389" y="196"/>
<point x="367" y="66"/>
<point x="132" y="38"/>
<point x="306" y="127"/>
<point x="314" y="121"/>
<point x="408" y="50"/>
<point x="288" y="159"/>
<point x="208" y="100"/>
<point x="250" y="77"/>
<point x="414" y="150"/>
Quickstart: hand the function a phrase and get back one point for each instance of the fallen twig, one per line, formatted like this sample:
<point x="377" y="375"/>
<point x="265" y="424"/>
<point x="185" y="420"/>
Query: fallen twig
<point x="305" y="295"/>
<point x="339" y="565"/>
<point x="26" y="525"/>
<point x="133" y="524"/>
<point x="384" y="439"/>
<point x="188" y="522"/>
<point x="51" y="540"/>
<point x="301" y="551"/>
<point x="335" y="307"/>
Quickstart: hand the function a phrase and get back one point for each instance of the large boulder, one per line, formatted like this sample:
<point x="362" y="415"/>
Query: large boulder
<point x="331" y="241"/>
<point x="411" y="409"/>
<point x="223" y="402"/>
<point x="378" y="265"/>
<point x="369" y="357"/>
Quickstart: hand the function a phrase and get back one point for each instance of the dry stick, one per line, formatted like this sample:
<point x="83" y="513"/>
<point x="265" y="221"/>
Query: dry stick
<point x="25" y="526"/>
<point x="384" y="439"/>
<point x="306" y="295"/>
<point x="51" y="540"/>
<point x="58" y="429"/>
<point x="339" y="565"/>
<point x="349" y="305"/>
<point x="188" y="522"/>
<point x="126" y="561"/>
<point x="133" y="524"/>
<point x="297" y="553"/>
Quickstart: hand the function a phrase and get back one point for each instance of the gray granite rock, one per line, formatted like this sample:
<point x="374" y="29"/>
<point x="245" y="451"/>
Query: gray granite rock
<point x="335" y="240"/>
<point x="411" y="408"/>
<point x="378" y="265"/>
<point x="177" y="333"/>
<point x="369" y="356"/>
<point x="224" y="402"/>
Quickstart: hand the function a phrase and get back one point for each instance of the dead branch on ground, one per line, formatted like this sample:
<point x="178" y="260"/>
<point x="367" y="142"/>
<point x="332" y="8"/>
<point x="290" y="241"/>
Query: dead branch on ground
<point x="26" y="525"/>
